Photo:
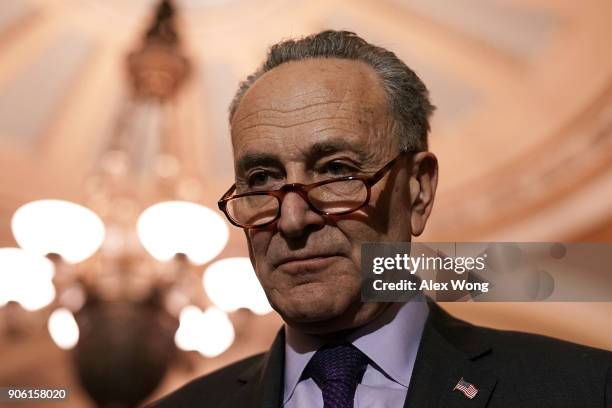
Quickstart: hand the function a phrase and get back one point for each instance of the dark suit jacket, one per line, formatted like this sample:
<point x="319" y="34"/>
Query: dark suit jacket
<point x="509" y="369"/>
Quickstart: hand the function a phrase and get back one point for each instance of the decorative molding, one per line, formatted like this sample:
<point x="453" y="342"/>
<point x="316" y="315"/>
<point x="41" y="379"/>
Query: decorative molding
<point x="518" y="31"/>
<point x="13" y="13"/>
<point x="29" y="101"/>
<point x="560" y="166"/>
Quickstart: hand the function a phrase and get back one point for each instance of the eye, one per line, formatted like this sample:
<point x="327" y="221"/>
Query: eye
<point x="257" y="178"/>
<point x="260" y="179"/>
<point x="339" y="169"/>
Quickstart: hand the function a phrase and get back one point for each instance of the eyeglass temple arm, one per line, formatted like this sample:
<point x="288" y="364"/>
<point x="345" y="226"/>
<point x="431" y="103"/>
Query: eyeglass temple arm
<point x="228" y="192"/>
<point x="380" y="173"/>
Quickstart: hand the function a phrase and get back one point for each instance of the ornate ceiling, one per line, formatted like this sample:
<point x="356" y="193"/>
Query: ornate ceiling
<point x="523" y="88"/>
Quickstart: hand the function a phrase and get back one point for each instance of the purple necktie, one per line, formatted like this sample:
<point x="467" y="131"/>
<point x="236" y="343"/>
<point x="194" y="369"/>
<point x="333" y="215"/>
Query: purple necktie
<point x="337" y="370"/>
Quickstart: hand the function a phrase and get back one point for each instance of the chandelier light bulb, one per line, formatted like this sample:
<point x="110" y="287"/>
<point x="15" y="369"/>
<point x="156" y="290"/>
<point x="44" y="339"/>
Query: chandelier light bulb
<point x="231" y="284"/>
<point x="209" y="333"/>
<point x="56" y="226"/>
<point x="181" y="227"/>
<point x="26" y="278"/>
<point x="63" y="328"/>
<point x="187" y="335"/>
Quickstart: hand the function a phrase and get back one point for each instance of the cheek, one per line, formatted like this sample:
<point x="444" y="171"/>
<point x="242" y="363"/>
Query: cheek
<point x="258" y="243"/>
<point x="377" y="224"/>
<point x="390" y="217"/>
<point x="360" y="230"/>
<point x="357" y="231"/>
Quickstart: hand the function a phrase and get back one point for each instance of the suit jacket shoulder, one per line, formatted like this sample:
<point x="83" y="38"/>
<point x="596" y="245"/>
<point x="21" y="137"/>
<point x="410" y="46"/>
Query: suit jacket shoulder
<point x="210" y="390"/>
<point x="509" y="368"/>
<point x="256" y="381"/>
<point x="508" y="343"/>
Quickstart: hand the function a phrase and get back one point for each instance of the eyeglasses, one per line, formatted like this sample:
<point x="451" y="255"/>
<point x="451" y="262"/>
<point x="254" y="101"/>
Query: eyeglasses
<point x="335" y="196"/>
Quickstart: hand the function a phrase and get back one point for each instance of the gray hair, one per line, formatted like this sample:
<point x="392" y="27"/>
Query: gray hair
<point x="407" y="96"/>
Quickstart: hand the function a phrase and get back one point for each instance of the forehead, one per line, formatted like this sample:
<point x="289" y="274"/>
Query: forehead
<point x="301" y="103"/>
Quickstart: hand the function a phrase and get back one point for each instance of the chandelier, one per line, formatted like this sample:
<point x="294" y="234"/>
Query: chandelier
<point x="119" y="275"/>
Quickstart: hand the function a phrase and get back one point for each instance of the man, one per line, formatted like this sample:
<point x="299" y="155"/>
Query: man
<point x="319" y="110"/>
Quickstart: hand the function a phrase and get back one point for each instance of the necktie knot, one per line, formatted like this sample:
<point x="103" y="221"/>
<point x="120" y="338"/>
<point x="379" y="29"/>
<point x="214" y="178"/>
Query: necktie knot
<point x="337" y="369"/>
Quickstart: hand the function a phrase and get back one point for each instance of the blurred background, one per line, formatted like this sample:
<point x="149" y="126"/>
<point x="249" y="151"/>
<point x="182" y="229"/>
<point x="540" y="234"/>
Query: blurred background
<point x="118" y="274"/>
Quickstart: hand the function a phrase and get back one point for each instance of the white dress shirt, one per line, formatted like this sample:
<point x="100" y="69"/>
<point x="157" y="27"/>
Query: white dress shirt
<point x="390" y="341"/>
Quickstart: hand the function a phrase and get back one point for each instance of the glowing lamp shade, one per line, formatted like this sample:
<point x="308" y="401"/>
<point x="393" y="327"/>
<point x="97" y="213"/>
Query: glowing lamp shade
<point x="172" y="227"/>
<point x="231" y="283"/>
<point x="209" y="333"/>
<point x="63" y="328"/>
<point x="55" y="226"/>
<point x="25" y="278"/>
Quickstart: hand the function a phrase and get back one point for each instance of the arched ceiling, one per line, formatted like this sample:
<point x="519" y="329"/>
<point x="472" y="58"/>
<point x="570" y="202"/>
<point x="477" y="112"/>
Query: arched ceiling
<point x="522" y="88"/>
<point x="523" y="128"/>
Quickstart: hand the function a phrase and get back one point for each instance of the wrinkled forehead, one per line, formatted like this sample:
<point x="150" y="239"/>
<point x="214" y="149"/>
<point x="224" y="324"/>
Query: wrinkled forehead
<point x="319" y="92"/>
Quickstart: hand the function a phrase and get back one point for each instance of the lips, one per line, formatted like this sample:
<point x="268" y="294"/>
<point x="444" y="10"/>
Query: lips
<point x="302" y="265"/>
<point x="297" y="258"/>
<point x="307" y="261"/>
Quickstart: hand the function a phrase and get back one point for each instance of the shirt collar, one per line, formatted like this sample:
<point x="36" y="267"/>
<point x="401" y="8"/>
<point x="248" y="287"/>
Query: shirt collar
<point x="398" y="329"/>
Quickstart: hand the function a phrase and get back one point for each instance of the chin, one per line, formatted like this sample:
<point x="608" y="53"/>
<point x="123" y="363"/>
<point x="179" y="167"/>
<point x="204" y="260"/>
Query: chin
<point x="319" y="312"/>
<point x="308" y="304"/>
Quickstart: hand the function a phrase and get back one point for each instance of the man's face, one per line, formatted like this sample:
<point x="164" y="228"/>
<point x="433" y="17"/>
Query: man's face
<point x="300" y="123"/>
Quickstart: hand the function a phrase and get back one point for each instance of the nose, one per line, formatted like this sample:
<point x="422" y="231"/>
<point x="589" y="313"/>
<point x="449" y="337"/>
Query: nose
<point x="296" y="216"/>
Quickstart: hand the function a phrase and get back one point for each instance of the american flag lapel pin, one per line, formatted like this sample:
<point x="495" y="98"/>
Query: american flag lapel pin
<point x="466" y="388"/>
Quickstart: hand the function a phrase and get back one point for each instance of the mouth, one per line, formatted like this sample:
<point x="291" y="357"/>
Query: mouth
<point x="308" y="264"/>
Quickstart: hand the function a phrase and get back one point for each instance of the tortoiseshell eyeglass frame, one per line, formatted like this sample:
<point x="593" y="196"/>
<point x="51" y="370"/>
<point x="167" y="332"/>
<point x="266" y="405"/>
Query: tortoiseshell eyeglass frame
<point x="303" y="189"/>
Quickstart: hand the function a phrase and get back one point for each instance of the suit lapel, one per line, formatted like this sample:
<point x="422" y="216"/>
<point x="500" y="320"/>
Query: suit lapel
<point x="450" y="350"/>
<point x="264" y="380"/>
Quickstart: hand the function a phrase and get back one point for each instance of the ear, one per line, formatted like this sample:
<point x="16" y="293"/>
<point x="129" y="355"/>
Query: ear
<point x="423" y="183"/>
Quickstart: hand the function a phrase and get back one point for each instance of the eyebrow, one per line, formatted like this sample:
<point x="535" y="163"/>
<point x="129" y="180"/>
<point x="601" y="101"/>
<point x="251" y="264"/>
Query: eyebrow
<point x="336" y="145"/>
<point x="316" y="151"/>
<point x="251" y="160"/>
